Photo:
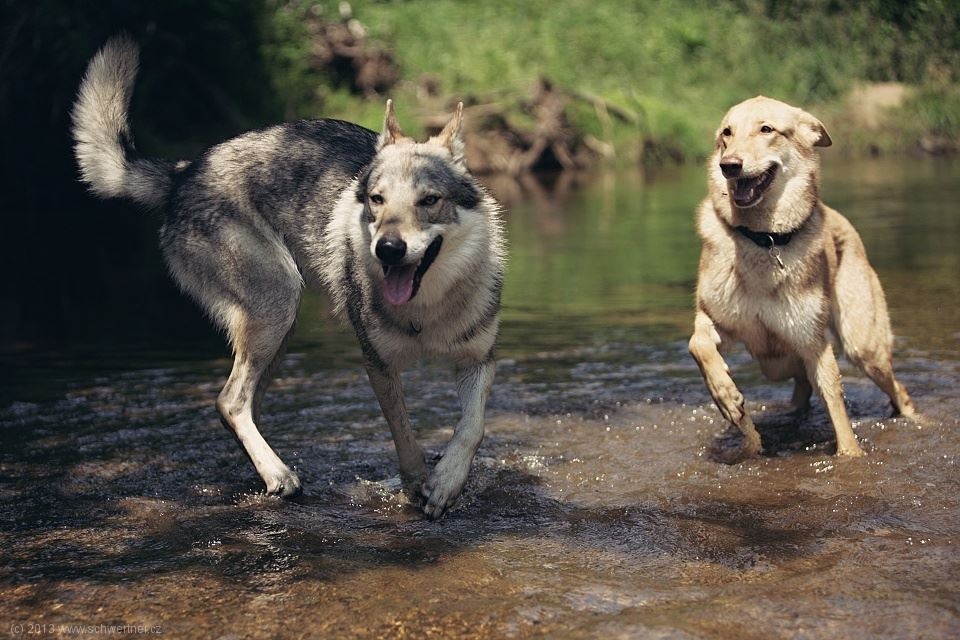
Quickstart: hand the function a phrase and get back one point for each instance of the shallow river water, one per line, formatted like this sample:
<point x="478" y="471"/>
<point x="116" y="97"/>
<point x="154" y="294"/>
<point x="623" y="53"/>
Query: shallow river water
<point x="594" y="507"/>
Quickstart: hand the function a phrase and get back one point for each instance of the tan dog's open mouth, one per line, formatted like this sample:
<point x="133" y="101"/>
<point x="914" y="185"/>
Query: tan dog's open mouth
<point x="749" y="191"/>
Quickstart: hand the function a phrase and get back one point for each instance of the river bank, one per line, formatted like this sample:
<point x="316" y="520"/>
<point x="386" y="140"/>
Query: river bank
<point x="586" y="84"/>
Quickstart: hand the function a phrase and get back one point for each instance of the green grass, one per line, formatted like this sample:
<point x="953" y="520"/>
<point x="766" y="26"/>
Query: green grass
<point x="675" y="65"/>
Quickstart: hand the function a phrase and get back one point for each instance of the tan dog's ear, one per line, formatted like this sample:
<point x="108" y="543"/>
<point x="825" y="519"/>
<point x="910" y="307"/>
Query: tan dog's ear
<point x="813" y="131"/>
<point x="391" y="133"/>
<point x="452" y="136"/>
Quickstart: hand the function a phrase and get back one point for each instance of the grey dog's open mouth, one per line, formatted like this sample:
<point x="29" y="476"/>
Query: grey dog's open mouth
<point x="749" y="191"/>
<point x="401" y="282"/>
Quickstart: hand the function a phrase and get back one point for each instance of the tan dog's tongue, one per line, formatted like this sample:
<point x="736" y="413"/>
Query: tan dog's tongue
<point x="744" y="191"/>
<point x="398" y="284"/>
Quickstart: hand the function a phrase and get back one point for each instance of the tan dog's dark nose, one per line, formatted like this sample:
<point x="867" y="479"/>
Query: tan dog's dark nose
<point x="731" y="166"/>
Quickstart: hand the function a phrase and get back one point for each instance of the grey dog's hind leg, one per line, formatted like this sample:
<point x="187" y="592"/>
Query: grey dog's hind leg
<point x="258" y="347"/>
<point x="249" y="284"/>
<point x="268" y="375"/>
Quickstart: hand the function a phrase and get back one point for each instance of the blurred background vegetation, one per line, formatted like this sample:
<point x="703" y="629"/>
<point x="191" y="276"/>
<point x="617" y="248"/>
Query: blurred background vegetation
<point x="669" y="68"/>
<point x="635" y="82"/>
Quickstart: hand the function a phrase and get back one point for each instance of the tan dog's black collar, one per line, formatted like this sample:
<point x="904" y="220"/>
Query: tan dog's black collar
<point x="766" y="239"/>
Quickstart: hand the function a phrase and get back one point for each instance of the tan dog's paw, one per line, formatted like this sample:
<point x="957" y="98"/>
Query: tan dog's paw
<point x="851" y="451"/>
<point x="728" y="398"/>
<point x="730" y="449"/>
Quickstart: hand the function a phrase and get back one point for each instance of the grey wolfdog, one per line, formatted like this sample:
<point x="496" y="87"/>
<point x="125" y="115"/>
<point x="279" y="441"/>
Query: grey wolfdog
<point x="408" y="245"/>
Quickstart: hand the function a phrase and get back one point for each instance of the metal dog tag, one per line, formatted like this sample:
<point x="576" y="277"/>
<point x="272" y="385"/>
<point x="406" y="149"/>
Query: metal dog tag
<point x="775" y="254"/>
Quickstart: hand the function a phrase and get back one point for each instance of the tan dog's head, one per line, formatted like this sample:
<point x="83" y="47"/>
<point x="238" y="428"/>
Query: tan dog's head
<point x="764" y="149"/>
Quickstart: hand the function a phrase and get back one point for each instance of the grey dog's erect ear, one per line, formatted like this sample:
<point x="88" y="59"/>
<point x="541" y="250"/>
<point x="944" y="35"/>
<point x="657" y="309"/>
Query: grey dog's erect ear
<point x="452" y="136"/>
<point x="391" y="133"/>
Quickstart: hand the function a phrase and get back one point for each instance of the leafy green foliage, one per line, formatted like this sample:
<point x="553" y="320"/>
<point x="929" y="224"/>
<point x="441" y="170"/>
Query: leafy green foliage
<point x="677" y="65"/>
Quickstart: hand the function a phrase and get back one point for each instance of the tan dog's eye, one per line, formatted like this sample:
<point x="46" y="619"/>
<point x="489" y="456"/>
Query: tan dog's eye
<point x="766" y="129"/>
<point x="376" y="198"/>
<point x="726" y="133"/>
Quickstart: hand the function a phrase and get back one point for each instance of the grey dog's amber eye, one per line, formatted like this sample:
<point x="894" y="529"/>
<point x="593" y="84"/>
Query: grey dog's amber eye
<point x="376" y="198"/>
<point x="429" y="201"/>
<point x="766" y="129"/>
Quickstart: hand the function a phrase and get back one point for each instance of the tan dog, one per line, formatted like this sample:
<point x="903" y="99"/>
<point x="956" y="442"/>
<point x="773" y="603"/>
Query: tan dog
<point x="783" y="273"/>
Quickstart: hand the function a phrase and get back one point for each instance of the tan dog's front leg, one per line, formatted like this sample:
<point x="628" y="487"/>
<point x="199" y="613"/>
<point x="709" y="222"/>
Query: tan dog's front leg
<point x="413" y="467"/>
<point x="446" y="482"/>
<point x="704" y="348"/>
<point x="825" y="373"/>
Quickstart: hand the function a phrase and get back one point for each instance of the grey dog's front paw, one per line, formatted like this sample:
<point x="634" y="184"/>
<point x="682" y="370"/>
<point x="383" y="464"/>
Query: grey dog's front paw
<point x="443" y="487"/>
<point x="284" y="483"/>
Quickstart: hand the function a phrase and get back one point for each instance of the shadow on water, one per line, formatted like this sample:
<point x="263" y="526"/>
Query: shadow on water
<point x="593" y="508"/>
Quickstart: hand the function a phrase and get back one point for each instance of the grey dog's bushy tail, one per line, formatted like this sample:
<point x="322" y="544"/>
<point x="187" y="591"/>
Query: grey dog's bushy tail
<point x="103" y="142"/>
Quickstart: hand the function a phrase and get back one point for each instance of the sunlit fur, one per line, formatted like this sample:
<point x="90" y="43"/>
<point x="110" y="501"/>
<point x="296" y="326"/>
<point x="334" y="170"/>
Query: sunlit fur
<point x="789" y="316"/>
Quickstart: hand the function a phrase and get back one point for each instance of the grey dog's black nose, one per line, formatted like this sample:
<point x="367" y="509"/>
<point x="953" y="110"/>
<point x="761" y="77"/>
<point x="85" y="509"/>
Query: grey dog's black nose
<point x="391" y="250"/>
<point x="731" y="166"/>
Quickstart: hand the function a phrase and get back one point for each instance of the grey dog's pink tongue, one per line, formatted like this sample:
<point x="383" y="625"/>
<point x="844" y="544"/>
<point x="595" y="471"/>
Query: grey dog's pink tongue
<point x="398" y="283"/>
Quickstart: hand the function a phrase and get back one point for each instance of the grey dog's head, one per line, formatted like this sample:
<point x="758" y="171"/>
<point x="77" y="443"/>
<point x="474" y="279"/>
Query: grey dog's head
<point x="412" y="194"/>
